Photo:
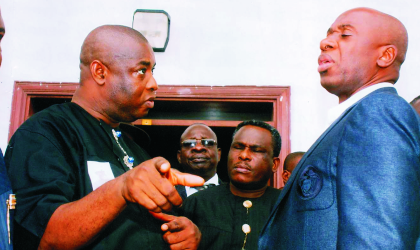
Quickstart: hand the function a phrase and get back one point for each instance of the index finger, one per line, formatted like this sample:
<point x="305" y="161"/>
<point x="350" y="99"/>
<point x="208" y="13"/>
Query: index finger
<point x="178" y="178"/>
<point x="164" y="217"/>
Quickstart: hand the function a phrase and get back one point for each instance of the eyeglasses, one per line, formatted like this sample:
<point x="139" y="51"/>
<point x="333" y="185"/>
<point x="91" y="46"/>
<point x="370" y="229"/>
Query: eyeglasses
<point x="204" y="142"/>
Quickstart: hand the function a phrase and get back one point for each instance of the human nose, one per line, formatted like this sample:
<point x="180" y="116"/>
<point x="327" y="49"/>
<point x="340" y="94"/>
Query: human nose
<point x="152" y="84"/>
<point x="244" y="155"/>
<point x="327" y="44"/>
<point x="198" y="146"/>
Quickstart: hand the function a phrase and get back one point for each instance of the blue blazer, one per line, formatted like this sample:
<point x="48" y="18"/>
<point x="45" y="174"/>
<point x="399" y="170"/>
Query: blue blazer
<point x="5" y="190"/>
<point x="358" y="186"/>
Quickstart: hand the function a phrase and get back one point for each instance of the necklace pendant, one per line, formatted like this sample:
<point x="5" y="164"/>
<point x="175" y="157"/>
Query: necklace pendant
<point x="247" y="204"/>
<point x="129" y="161"/>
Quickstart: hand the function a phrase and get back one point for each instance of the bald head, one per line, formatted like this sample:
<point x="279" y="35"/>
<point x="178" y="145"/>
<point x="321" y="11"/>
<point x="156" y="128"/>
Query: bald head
<point x="116" y="75"/>
<point x="196" y="156"/>
<point x="363" y="47"/>
<point x="291" y="161"/>
<point x="195" y="127"/>
<point x="386" y="30"/>
<point x="107" y="43"/>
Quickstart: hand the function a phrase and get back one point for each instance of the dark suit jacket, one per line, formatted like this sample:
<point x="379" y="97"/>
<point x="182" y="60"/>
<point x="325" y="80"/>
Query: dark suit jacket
<point x="183" y="193"/>
<point x="358" y="186"/>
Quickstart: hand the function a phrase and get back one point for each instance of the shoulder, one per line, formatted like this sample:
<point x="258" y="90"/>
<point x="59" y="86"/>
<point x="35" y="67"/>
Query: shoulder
<point x="208" y="195"/>
<point x="56" y="124"/>
<point x="52" y="116"/>
<point x="213" y="191"/>
<point x="384" y="107"/>
<point x="385" y="99"/>
<point x="272" y="191"/>
<point x="271" y="194"/>
<point x="207" y="201"/>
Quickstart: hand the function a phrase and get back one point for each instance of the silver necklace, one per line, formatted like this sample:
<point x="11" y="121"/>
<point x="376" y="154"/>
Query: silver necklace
<point x="129" y="161"/>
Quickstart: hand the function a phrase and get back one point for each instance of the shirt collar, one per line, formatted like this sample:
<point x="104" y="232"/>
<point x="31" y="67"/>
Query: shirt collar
<point x="336" y="111"/>
<point x="212" y="180"/>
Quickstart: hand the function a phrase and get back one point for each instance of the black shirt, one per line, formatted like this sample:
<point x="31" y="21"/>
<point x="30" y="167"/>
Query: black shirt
<point x="220" y="215"/>
<point x="47" y="160"/>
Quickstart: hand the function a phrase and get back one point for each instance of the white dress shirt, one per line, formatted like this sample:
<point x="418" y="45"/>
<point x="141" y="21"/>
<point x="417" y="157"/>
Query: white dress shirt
<point x="213" y="180"/>
<point x="336" y="111"/>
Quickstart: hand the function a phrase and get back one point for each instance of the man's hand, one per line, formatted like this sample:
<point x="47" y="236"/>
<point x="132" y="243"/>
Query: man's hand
<point x="151" y="184"/>
<point x="181" y="233"/>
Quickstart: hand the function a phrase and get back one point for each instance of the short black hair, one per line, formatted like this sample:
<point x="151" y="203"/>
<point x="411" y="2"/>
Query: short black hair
<point x="275" y="135"/>
<point x="290" y="157"/>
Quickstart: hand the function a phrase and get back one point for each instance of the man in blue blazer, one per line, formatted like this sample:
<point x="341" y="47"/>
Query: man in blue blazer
<point x="358" y="186"/>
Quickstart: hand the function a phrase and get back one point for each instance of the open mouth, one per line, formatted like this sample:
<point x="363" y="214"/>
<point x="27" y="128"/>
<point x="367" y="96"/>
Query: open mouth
<point x="150" y="103"/>
<point x="325" y="62"/>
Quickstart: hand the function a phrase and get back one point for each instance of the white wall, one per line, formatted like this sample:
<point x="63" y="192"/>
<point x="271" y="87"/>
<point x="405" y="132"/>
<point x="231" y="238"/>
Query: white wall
<point x="212" y="42"/>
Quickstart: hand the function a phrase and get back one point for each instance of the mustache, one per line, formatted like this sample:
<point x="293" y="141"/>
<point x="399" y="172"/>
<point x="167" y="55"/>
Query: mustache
<point x="242" y="164"/>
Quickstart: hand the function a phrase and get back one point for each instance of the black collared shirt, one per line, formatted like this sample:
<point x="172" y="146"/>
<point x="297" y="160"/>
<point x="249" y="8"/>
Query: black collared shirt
<point x="47" y="160"/>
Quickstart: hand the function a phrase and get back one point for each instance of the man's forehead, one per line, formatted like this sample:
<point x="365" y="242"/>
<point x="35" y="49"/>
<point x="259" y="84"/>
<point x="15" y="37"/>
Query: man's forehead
<point x="130" y="48"/>
<point x="199" y="130"/>
<point x="250" y="134"/>
<point x="356" y="17"/>
<point x="353" y="20"/>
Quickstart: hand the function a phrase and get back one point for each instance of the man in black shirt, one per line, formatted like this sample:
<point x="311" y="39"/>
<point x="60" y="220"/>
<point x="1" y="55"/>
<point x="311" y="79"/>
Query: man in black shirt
<point x="79" y="182"/>
<point x="230" y="216"/>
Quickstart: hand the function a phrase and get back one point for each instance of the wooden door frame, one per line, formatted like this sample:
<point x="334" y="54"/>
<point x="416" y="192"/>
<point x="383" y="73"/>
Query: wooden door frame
<point x="278" y="95"/>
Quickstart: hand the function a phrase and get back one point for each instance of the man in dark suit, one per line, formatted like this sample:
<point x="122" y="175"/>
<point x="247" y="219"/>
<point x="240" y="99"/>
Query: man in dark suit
<point x="199" y="155"/>
<point x="358" y="186"/>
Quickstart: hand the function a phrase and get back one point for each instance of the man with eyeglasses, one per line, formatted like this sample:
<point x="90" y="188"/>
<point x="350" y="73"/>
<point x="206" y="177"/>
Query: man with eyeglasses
<point x="230" y="216"/>
<point x="199" y="155"/>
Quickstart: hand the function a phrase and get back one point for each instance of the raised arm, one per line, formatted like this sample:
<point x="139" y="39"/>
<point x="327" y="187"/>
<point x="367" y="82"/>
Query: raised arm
<point x="75" y="224"/>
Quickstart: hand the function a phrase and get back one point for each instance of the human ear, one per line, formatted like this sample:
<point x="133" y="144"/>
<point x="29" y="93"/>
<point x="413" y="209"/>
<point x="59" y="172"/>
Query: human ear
<point x="98" y="71"/>
<point x="276" y="164"/>
<point x="387" y="55"/>
<point x="178" y="156"/>
<point x="285" y="175"/>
